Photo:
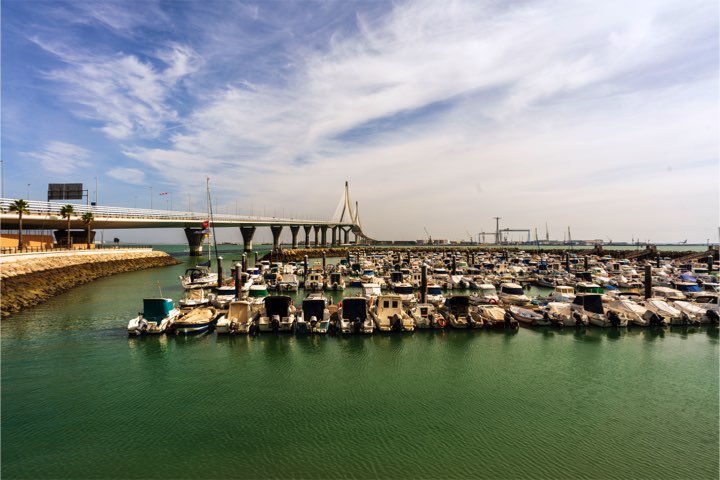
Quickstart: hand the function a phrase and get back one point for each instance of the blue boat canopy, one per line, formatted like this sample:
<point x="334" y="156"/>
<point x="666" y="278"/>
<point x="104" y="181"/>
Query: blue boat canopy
<point x="156" y="309"/>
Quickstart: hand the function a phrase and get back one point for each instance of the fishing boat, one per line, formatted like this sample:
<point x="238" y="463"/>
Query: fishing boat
<point x="314" y="281"/>
<point x="389" y="316"/>
<point x="355" y="316"/>
<point x="458" y="313"/>
<point x="256" y="295"/>
<point x="497" y="318"/>
<point x="238" y="318"/>
<point x="278" y="314"/>
<point x="512" y="294"/>
<point x="336" y="282"/>
<point x="314" y="315"/>
<point x="425" y="316"/>
<point x="288" y="283"/>
<point x="525" y="316"/>
<point x="223" y="295"/>
<point x="562" y="293"/>
<point x="197" y="320"/>
<point x="158" y="316"/>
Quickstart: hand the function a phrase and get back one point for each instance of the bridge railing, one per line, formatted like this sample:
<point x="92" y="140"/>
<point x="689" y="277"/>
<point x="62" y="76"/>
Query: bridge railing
<point x="53" y="208"/>
<point x="13" y="250"/>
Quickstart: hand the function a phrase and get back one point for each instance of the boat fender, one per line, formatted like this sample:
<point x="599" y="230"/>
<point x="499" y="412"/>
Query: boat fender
<point x="492" y="301"/>
<point x="441" y="322"/>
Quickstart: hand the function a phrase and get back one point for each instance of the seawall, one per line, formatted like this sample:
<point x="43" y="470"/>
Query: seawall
<point x="29" y="279"/>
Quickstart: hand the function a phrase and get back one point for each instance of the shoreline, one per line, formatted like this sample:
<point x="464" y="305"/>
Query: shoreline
<point x="27" y="280"/>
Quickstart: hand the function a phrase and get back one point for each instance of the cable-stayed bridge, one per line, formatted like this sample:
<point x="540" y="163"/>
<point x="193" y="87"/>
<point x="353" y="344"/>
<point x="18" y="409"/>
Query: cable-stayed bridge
<point x="46" y="216"/>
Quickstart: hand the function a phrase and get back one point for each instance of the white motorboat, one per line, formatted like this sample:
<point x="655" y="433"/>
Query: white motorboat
<point x="711" y="304"/>
<point x="406" y="293"/>
<point x="314" y="281"/>
<point x="694" y="312"/>
<point x="435" y="294"/>
<point x="459" y="314"/>
<point x="529" y="317"/>
<point x="197" y="320"/>
<point x="278" y="314"/>
<point x="497" y="318"/>
<point x="388" y="314"/>
<point x="668" y="294"/>
<point x="196" y="297"/>
<point x="562" y="293"/>
<point x="238" y="318"/>
<point x="314" y="315"/>
<point x="335" y="282"/>
<point x="158" y="316"/>
<point x="370" y="291"/>
<point x="198" y="277"/>
<point x="288" y="283"/>
<point x="561" y="313"/>
<point x="355" y="316"/>
<point x="486" y="294"/>
<point x="425" y="316"/>
<point x="591" y="305"/>
<point x="513" y="294"/>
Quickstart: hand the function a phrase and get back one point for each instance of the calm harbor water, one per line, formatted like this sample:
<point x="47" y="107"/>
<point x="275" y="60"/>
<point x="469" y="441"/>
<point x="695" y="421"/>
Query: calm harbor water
<point x="82" y="400"/>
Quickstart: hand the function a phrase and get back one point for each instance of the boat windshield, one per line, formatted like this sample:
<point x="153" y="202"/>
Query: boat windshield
<point x="277" y="306"/>
<point x="513" y="290"/>
<point x="403" y="289"/>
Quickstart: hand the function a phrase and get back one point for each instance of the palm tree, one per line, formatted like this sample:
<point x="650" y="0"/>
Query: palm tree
<point x="88" y="219"/>
<point x="20" y="206"/>
<point x="67" y="211"/>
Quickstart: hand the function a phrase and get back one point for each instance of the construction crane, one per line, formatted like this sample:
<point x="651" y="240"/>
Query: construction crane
<point x="428" y="236"/>
<point x="469" y="235"/>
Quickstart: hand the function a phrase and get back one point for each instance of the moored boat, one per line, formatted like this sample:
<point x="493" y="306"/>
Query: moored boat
<point x="158" y="316"/>
<point x="355" y="316"/>
<point x="389" y="316"/>
<point x="197" y="320"/>
<point x="238" y="318"/>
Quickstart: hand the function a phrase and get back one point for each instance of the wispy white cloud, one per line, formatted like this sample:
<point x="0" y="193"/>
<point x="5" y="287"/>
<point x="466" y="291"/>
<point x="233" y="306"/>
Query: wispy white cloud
<point x="127" y="95"/>
<point x="128" y="175"/>
<point x="61" y="157"/>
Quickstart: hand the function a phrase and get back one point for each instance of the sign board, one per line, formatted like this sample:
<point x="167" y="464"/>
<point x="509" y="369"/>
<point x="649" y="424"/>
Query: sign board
<point x="65" y="191"/>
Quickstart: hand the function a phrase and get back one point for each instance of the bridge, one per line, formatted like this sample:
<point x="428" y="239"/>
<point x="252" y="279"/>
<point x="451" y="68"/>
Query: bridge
<point x="46" y="215"/>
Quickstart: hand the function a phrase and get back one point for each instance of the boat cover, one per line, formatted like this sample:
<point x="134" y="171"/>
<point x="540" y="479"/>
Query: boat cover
<point x="354" y="308"/>
<point x="313" y="307"/>
<point x="458" y="304"/>
<point x="155" y="309"/>
<point x="277" y="305"/>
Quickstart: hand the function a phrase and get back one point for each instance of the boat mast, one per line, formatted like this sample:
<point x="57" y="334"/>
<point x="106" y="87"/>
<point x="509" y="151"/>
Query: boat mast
<point x="212" y="223"/>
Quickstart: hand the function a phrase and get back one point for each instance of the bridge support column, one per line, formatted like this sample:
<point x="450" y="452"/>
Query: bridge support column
<point x="323" y="234"/>
<point x="307" y="229"/>
<point x="294" y="229"/>
<point x="247" y="234"/>
<point x="276" y="231"/>
<point x="195" y="237"/>
<point x="346" y="235"/>
<point x="317" y="229"/>
<point x="334" y="235"/>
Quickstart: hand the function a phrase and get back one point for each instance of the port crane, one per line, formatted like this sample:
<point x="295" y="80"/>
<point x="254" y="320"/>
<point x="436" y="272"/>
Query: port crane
<point x="428" y="236"/>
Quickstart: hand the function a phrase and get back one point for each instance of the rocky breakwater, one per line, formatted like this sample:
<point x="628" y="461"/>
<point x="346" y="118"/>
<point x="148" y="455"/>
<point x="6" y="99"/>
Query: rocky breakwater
<point x="29" y="279"/>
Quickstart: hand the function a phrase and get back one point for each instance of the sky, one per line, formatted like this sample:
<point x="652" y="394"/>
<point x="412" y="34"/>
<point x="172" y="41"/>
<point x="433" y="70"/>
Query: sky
<point x="600" y="117"/>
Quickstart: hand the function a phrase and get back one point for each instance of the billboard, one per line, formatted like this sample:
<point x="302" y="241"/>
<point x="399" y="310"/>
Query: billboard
<point x="65" y="191"/>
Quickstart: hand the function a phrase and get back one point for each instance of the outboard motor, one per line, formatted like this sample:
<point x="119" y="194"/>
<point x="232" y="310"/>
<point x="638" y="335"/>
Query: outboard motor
<point x="254" y="329"/>
<point x="313" y="323"/>
<point x="713" y="316"/>
<point x="656" y="320"/>
<point x="614" y="319"/>
<point x="397" y="324"/>
<point x="577" y="316"/>
<point x="508" y="320"/>
<point x="357" y="325"/>
<point x="275" y="323"/>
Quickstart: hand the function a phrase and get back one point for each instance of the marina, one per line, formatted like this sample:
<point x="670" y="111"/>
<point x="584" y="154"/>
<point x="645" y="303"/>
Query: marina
<point x="77" y="387"/>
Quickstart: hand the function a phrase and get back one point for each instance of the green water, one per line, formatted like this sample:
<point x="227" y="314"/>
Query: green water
<point x="82" y="400"/>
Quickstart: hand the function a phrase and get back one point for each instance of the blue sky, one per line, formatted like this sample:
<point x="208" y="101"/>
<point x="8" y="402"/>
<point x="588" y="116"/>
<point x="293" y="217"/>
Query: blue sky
<point x="601" y="116"/>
